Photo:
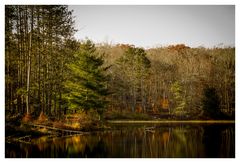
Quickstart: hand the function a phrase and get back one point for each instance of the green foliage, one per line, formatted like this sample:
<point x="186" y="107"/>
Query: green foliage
<point x="179" y="98"/>
<point x="211" y="102"/>
<point x="135" y="63"/>
<point x="133" y="67"/>
<point x="86" y="87"/>
<point x="65" y="75"/>
<point x="21" y="91"/>
<point x="39" y="41"/>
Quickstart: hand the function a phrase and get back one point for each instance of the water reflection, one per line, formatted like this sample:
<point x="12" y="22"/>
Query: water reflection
<point x="136" y="141"/>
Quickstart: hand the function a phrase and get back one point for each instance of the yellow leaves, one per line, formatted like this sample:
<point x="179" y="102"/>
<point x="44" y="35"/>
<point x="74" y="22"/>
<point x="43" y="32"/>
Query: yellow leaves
<point x="82" y="119"/>
<point x="165" y="104"/>
<point x="43" y="130"/>
<point x="75" y="125"/>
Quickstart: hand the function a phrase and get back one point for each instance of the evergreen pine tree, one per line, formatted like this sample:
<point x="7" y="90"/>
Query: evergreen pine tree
<point x="87" y="86"/>
<point x="211" y="102"/>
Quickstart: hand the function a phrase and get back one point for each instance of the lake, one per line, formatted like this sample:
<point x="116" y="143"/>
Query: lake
<point x="135" y="141"/>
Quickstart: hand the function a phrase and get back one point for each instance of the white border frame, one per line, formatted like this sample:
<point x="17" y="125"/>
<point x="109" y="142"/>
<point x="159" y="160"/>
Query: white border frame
<point x="118" y="2"/>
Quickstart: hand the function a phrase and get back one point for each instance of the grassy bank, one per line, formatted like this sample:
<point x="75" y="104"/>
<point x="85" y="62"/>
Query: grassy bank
<point x="124" y="115"/>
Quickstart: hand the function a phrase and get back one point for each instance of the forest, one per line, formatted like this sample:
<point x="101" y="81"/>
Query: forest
<point x="52" y="78"/>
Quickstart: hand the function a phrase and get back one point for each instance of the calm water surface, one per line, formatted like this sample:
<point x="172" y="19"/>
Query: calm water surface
<point x="141" y="141"/>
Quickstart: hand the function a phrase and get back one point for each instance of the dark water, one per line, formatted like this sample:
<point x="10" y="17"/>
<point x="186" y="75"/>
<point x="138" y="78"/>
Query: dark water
<point x="141" y="141"/>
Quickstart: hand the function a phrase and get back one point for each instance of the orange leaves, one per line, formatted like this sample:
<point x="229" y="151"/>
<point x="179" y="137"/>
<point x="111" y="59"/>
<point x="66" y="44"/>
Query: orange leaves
<point x="42" y="118"/>
<point x="179" y="48"/>
<point x="27" y="118"/>
<point x="165" y="104"/>
<point x="139" y="109"/>
<point x="125" y="46"/>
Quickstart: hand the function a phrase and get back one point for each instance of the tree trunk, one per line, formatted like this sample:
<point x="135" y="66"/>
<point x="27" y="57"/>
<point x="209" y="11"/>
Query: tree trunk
<point x="29" y="64"/>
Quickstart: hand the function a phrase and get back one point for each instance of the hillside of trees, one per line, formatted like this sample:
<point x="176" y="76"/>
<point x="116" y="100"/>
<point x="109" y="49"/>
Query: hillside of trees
<point x="177" y="80"/>
<point x="49" y="74"/>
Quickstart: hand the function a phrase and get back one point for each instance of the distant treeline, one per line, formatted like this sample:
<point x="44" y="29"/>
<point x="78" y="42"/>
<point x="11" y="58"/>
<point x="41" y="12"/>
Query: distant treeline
<point x="175" y="79"/>
<point x="48" y="71"/>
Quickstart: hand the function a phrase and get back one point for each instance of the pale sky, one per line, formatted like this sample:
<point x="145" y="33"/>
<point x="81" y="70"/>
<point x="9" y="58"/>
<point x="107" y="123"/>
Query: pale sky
<point x="160" y="25"/>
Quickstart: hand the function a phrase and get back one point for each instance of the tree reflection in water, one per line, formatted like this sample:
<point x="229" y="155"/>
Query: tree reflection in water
<point x="135" y="141"/>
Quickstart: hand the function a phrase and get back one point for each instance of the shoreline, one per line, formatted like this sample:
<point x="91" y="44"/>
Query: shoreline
<point x="172" y="121"/>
